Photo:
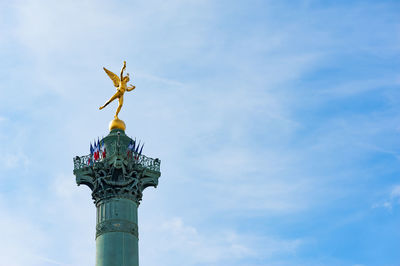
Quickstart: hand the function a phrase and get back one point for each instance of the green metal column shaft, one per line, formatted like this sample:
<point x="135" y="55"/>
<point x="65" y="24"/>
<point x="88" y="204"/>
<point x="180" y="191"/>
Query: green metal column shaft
<point x="117" y="233"/>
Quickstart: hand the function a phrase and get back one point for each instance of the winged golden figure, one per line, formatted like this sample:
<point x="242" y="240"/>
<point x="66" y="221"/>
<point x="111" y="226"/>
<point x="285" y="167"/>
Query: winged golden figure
<point x="121" y="84"/>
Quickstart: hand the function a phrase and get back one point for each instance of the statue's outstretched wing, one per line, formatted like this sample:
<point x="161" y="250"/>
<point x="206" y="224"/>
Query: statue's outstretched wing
<point x="112" y="76"/>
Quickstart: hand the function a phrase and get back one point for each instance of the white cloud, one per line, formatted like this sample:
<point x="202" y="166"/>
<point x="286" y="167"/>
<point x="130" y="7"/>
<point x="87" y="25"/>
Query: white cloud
<point x="391" y="201"/>
<point x="355" y="87"/>
<point x="21" y="239"/>
<point x="47" y="27"/>
<point x="171" y="240"/>
<point x="50" y="219"/>
<point x="10" y="161"/>
<point x="395" y="195"/>
<point x="395" y="192"/>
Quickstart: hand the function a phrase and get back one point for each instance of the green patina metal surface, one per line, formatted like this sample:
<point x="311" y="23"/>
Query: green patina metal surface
<point x="117" y="182"/>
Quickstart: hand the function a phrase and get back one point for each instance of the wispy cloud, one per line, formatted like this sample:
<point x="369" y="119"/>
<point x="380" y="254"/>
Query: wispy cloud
<point x="15" y="160"/>
<point x="184" y="244"/>
<point x="390" y="201"/>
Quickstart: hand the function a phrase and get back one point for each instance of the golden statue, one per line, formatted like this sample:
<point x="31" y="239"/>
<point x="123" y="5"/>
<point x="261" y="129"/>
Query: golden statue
<point x="120" y="84"/>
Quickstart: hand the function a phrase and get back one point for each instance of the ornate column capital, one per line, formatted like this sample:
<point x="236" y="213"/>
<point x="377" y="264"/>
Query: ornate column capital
<point x="119" y="174"/>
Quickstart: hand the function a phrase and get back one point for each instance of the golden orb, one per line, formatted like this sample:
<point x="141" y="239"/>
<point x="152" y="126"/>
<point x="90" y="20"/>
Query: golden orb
<point x="117" y="124"/>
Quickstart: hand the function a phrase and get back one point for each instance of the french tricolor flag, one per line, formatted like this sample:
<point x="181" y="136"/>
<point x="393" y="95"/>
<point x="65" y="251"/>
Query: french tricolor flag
<point x="98" y="149"/>
<point x="95" y="152"/>
<point x="131" y="148"/>
<point x="103" y="149"/>
<point x="91" y="154"/>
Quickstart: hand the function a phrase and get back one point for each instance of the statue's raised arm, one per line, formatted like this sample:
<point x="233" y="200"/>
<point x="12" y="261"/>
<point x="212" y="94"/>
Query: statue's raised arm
<point x="122" y="70"/>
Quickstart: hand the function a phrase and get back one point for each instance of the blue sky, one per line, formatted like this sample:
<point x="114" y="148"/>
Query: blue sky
<point x="277" y="124"/>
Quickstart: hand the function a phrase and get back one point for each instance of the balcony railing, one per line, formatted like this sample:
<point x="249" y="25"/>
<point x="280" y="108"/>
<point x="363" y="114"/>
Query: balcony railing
<point x="81" y="162"/>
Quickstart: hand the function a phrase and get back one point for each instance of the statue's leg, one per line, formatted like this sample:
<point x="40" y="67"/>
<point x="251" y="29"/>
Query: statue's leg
<point x="121" y="101"/>
<point x="115" y="96"/>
